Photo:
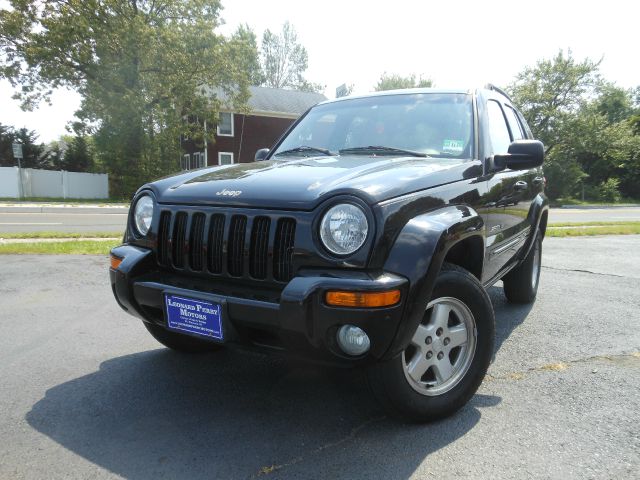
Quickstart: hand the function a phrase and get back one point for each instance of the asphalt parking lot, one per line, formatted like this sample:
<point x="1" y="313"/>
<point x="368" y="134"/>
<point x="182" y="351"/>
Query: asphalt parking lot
<point x="86" y="393"/>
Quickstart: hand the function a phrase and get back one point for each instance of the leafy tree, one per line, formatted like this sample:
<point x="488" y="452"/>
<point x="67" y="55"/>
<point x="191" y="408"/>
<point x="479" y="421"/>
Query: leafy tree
<point x="284" y="60"/>
<point x="549" y="95"/>
<point x="614" y="102"/>
<point x="552" y="92"/>
<point x="245" y="36"/>
<point x="140" y="66"/>
<point x="393" y="81"/>
<point x="587" y="126"/>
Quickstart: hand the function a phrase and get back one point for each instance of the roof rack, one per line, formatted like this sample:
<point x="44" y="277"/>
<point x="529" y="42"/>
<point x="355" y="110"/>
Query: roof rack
<point x="491" y="86"/>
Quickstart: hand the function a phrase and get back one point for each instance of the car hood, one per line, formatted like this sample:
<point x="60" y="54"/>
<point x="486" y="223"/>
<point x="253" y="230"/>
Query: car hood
<point x="301" y="184"/>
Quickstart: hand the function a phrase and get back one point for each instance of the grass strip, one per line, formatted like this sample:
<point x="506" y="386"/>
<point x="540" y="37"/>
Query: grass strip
<point x="72" y="247"/>
<point x="593" y="224"/>
<point x="37" y="235"/>
<point x="584" y="231"/>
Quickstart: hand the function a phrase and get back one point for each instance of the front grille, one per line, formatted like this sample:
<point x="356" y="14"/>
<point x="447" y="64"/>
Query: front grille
<point x="229" y="245"/>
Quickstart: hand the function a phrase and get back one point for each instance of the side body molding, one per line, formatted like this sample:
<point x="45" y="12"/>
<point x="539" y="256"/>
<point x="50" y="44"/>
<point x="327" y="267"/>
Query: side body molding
<point x="418" y="254"/>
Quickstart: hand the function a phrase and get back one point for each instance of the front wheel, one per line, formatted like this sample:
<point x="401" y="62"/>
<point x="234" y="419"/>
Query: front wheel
<point x="448" y="356"/>
<point x="178" y="341"/>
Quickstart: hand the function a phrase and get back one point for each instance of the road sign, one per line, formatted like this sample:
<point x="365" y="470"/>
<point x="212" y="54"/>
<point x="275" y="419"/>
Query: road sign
<point x="17" y="150"/>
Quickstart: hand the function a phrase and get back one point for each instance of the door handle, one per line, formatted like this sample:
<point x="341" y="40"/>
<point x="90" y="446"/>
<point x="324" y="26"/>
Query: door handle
<point x="519" y="186"/>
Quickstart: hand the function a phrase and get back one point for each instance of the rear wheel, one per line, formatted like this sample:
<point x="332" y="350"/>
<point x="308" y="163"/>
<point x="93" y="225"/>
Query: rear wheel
<point x="178" y="341"/>
<point x="521" y="283"/>
<point x="447" y="357"/>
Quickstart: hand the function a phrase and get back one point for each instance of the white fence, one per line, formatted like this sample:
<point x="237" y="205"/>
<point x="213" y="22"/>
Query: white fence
<point x="52" y="184"/>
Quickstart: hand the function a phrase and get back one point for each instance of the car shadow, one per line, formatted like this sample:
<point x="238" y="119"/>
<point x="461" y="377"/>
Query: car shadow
<point x="508" y="315"/>
<point x="234" y="414"/>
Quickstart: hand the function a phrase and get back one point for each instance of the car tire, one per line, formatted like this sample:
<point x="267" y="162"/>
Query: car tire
<point x="453" y="372"/>
<point x="178" y="341"/>
<point x="521" y="283"/>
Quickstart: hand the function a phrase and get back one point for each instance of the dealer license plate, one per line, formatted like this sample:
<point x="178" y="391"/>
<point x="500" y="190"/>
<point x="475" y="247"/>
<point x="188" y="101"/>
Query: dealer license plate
<point x="194" y="316"/>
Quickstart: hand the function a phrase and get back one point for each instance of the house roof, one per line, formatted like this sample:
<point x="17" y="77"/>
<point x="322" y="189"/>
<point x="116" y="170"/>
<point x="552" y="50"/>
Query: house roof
<point x="276" y="101"/>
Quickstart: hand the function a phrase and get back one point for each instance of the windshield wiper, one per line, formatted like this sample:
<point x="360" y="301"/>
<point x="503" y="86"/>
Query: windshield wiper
<point x="381" y="149"/>
<point x="306" y="148"/>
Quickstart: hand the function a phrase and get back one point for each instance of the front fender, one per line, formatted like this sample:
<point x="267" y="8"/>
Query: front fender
<point x="418" y="254"/>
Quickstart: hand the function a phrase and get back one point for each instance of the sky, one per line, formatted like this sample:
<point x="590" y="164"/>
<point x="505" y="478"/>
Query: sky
<point x="457" y="43"/>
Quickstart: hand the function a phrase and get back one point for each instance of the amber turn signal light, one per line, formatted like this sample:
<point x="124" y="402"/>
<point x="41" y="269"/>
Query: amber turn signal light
<point x="337" y="298"/>
<point x="115" y="262"/>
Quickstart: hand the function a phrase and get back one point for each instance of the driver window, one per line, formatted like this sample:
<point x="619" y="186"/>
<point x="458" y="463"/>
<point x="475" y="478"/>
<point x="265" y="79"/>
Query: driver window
<point x="498" y="130"/>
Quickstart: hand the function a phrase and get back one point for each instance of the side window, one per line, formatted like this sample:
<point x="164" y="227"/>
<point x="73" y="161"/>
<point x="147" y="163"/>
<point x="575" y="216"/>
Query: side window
<point x="498" y="130"/>
<point x="514" y="124"/>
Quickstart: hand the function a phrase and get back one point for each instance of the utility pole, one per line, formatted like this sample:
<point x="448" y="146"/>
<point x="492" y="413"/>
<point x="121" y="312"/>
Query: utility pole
<point x="17" y="154"/>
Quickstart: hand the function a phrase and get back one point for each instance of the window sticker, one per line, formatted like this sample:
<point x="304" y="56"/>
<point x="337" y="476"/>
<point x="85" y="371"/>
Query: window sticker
<point x="456" y="146"/>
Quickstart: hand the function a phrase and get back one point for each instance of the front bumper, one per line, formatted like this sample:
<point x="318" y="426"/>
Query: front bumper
<point x="294" y="319"/>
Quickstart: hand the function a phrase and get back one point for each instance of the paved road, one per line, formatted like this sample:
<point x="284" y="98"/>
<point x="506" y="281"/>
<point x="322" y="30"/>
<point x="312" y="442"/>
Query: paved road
<point x="594" y="214"/>
<point x="62" y="222"/>
<point x="107" y="222"/>
<point x="86" y="393"/>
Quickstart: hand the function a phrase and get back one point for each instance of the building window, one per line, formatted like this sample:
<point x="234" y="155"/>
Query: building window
<point x="225" y="158"/>
<point x="225" y="125"/>
<point x="193" y="161"/>
<point x="184" y="162"/>
<point x="198" y="160"/>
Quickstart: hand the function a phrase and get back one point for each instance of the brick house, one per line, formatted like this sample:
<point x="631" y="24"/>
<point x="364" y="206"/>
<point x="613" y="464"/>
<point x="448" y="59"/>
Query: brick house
<point x="238" y="136"/>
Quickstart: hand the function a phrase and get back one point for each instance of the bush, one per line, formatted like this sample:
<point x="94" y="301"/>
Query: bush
<point x="609" y="190"/>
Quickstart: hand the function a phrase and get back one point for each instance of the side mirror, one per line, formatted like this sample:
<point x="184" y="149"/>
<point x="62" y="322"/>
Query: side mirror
<point x="261" y="154"/>
<point x="523" y="154"/>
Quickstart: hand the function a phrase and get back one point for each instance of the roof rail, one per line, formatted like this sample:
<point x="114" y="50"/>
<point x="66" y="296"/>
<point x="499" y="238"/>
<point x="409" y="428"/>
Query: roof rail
<point x="491" y="86"/>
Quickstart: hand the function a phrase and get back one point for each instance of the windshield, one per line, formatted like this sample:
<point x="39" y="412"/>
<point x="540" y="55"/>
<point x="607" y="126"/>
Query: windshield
<point x="434" y="124"/>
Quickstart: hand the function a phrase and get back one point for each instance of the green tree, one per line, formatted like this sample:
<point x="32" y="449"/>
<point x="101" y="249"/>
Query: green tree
<point x="550" y="95"/>
<point x="141" y="67"/>
<point x="587" y="126"/>
<point x="34" y="153"/>
<point x="552" y="92"/>
<point x="246" y="37"/>
<point x="285" y="60"/>
<point x="77" y="157"/>
<point x="614" y="102"/>
<point x="392" y="81"/>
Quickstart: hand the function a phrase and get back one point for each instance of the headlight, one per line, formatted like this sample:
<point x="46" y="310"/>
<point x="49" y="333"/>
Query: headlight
<point x="143" y="214"/>
<point x="344" y="229"/>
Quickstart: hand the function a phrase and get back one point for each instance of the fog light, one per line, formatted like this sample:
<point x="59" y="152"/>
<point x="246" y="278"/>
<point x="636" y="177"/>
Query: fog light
<point x="353" y="340"/>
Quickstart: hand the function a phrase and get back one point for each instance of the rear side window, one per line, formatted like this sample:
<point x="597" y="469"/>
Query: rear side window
<point x="498" y="131"/>
<point x="514" y="124"/>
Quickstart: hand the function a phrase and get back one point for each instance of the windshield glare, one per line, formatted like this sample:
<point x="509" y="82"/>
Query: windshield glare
<point x="437" y="124"/>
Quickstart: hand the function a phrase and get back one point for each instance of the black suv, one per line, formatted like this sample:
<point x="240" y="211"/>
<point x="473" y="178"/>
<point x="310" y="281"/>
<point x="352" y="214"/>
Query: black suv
<point x="365" y="237"/>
